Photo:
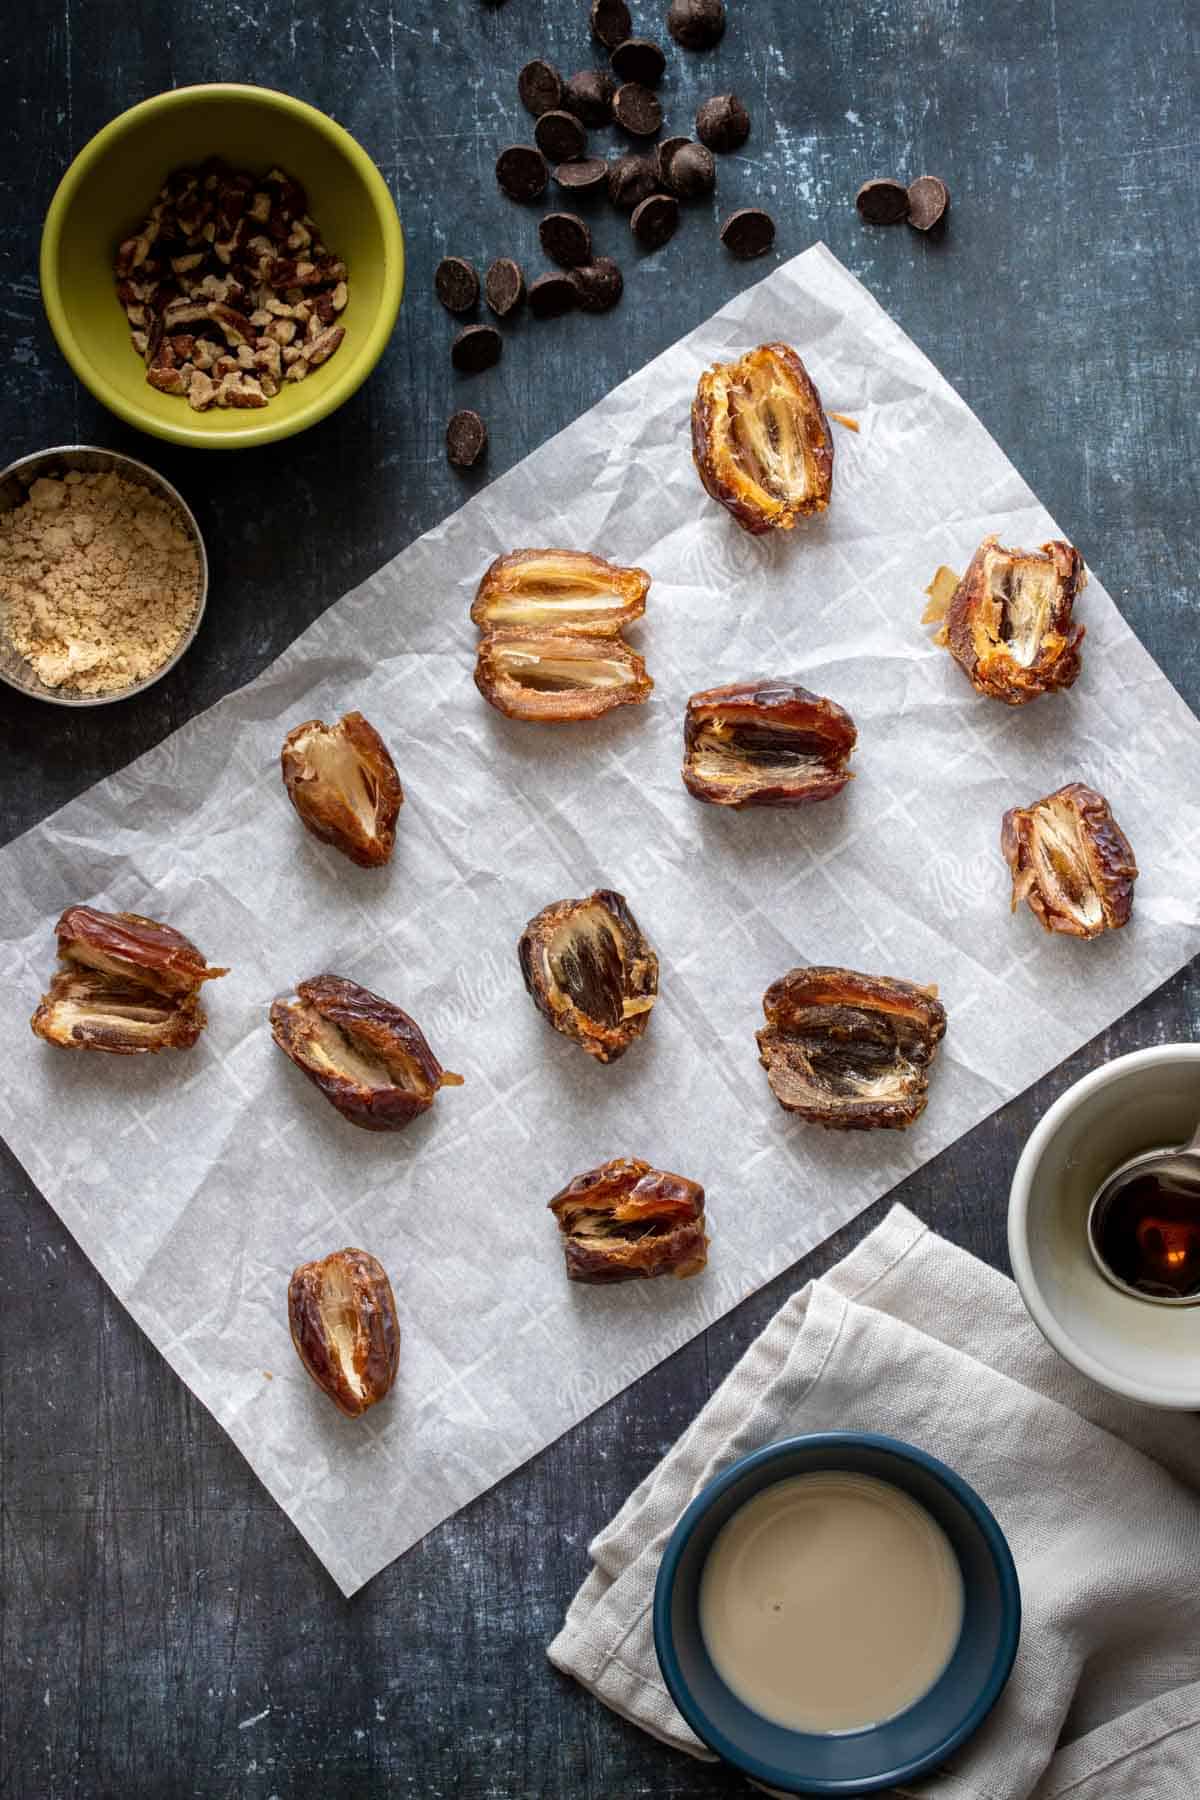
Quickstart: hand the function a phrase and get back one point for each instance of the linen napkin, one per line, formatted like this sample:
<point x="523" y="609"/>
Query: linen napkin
<point x="1099" y="1499"/>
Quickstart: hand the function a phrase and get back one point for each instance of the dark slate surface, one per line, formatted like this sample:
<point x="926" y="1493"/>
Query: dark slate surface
<point x="163" y="1631"/>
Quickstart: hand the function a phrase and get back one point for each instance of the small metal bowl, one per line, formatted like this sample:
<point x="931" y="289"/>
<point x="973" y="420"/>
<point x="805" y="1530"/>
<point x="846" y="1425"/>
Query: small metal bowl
<point x="15" y="483"/>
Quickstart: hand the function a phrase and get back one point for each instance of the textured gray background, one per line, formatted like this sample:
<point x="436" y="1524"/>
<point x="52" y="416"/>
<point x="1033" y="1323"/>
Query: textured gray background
<point x="163" y="1631"/>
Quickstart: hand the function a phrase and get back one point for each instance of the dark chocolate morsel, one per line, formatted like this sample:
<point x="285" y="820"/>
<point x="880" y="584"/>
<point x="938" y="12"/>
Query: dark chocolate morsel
<point x="598" y="284"/>
<point x="551" y="295"/>
<point x="566" y="239"/>
<point x="589" y="95"/>
<point x="586" y="176"/>
<point x="747" y="233"/>
<point x="638" y="59"/>
<point x="476" y="347"/>
<point x="466" y="439"/>
<point x="637" y="109"/>
<point x="630" y="179"/>
<point x="611" y="22"/>
<point x="723" y="123"/>
<point x="456" y="284"/>
<point x="928" y="198"/>
<point x="560" y="136"/>
<point x="521" y="171"/>
<point x="882" y="202"/>
<point x="696" y="24"/>
<point x="654" y="221"/>
<point x="687" y="169"/>
<point x="504" y="286"/>
<point x="540" y="87"/>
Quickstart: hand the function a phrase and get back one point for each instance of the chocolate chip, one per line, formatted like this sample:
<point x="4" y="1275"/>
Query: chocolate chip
<point x="882" y="202"/>
<point x="587" y="176"/>
<point x="598" y="284"/>
<point x="696" y="24"/>
<point x="476" y="347"/>
<point x="687" y="169"/>
<point x="566" y="239"/>
<point x="630" y="179"/>
<point x="928" y="198"/>
<point x="551" y="295"/>
<point x="504" y="286"/>
<point x="521" y="171"/>
<point x="466" y="439"/>
<point x="611" y="22"/>
<point x="456" y="284"/>
<point x="637" y="109"/>
<point x="654" y="221"/>
<point x="747" y="233"/>
<point x="540" y="87"/>
<point x="589" y="95"/>
<point x="723" y="123"/>
<point x="560" y="136"/>
<point x="638" y="59"/>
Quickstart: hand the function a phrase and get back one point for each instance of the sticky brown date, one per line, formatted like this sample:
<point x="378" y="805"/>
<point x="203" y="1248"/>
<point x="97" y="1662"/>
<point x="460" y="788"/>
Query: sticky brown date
<point x="761" y="441"/>
<point x="590" y="972"/>
<point x="555" y="677"/>
<point x="626" y="1222"/>
<point x="559" y="590"/>
<point x="849" y="1051"/>
<point x="342" y="1315"/>
<point x="765" y="743"/>
<point x="343" y="783"/>
<point x="1009" y="623"/>
<point x="369" y="1059"/>
<point x="1070" y="862"/>
<point x="127" y="985"/>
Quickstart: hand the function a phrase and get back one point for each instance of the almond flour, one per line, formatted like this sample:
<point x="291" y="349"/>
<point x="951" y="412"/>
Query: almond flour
<point x="99" y="580"/>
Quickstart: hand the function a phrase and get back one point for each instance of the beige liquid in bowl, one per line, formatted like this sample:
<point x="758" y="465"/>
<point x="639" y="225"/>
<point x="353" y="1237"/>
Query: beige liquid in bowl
<point x="830" y="1602"/>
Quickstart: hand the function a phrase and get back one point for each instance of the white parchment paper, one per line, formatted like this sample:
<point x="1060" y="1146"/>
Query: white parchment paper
<point x="196" y="1182"/>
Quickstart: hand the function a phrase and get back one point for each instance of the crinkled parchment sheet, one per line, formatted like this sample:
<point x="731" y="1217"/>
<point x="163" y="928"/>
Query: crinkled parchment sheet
<point x="196" y="1182"/>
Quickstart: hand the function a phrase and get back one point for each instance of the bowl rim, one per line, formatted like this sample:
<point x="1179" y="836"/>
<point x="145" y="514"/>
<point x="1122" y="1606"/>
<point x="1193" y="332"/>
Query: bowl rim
<point x="250" y="433"/>
<point x="997" y="1546"/>
<point x="160" y="483"/>
<point x="1020" y="1192"/>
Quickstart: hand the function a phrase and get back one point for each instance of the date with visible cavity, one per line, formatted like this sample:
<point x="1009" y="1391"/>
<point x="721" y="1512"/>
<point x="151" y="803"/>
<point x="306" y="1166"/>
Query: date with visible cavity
<point x="343" y="783"/>
<point x="765" y="743"/>
<point x="551" y="677"/>
<point x="342" y="1316"/>
<point x="1070" y="862"/>
<point x="590" y="972"/>
<point x="761" y="441"/>
<point x="1009" y="624"/>
<point x="127" y="985"/>
<point x="560" y="590"/>
<point x="626" y="1221"/>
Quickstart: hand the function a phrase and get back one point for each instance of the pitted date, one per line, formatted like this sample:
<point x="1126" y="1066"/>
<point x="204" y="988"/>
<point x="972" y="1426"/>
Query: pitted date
<point x="342" y="1316"/>
<point x="127" y="985"/>
<point x="627" y="1222"/>
<point x="765" y="743"/>
<point x="552" y="677"/>
<point x="1009" y="623"/>
<point x="590" y="972"/>
<point x="1070" y="861"/>
<point x="848" y="1051"/>
<point x="559" y="590"/>
<point x="761" y="441"/>
<point x="343" y="783"/>
<point x="369" y="1059"/>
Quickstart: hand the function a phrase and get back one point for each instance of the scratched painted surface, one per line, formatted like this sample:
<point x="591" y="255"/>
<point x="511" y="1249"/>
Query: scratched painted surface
<point x="163" y="1631"/>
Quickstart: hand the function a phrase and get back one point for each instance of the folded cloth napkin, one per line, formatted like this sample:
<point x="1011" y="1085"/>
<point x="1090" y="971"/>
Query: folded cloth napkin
<point x="1099" y="1499"/>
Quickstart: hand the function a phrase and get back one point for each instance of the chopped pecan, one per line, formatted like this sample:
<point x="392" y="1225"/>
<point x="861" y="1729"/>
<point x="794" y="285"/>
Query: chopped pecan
<point x="761" y="441"/>
<point x="765" y="743"/>
<point x="555" y="677"/>
<point x="626" y="1221"/>
<point x="590" y="972"/>
<point x="1009" y="626"/>
<point x="127" y="985"/>
<point x="850" y="1051"/>
<point x="560" y="590"/>
<point x="342" y="1315"/>
<point x="342" y="781"/>
<point x="369" y="1059"/>
<point x="1071" y="861"/>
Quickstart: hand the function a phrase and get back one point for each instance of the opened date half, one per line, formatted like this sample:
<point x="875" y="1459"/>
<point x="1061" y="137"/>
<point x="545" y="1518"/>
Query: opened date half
<point x="1009" y="623"/>
<point x="127" y="985"/>
<point x="559" y="590"/>
<point x="551" y="677"/>
<point x="342" y="1315"/>
<point x="590" y="972"/>
<point x="343" y="783"/>
<point x="1070" y="861"/>
<point x="761" y="441"/>
<point x="626" y="1222"/>
<point x="765" y="743"/>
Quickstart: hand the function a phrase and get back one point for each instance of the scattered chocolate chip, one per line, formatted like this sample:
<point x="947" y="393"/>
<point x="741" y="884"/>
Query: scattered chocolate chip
<point x="456" y="284"/>
<point x="586" y="176"/>
<point x="566" y="239"/>
<point x="560" y="136"/>
<point x="638" y="59"/>
<point x="611" y="22"/>
<point x="476" y="347"/>
<point x="637" y="109"/>
<point x="686" y="169"/>
<point x="504" y="286"/>
<point x="466" y="439"/>
<point x="748" y="232"/>
<point x="551" y="295"/>
<point x="882" y="202"/>
<point x="630" y="179"/>
<point x="654" y="221"/>
<point x="589" y="95"/>
<point x="540" y="87"/>
<point x="598" y="284"/>
<point x="521" y="171"/>
<point x="928" y="198"/>
<point x="723" y="123"/>
<point x="696" y="24"/>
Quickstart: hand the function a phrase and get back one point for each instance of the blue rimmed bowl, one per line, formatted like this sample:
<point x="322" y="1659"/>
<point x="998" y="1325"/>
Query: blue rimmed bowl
<point x="899" y="1749"/>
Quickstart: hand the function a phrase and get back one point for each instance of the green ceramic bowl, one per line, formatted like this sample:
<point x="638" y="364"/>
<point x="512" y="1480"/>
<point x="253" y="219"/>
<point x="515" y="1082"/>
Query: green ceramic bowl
<point x="110" y="187"/>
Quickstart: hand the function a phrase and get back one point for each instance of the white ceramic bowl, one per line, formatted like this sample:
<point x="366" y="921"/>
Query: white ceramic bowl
<point x="1149" y="1100"/>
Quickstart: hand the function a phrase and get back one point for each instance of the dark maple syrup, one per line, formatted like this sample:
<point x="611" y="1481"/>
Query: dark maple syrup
<point x="1148" y="1233"/>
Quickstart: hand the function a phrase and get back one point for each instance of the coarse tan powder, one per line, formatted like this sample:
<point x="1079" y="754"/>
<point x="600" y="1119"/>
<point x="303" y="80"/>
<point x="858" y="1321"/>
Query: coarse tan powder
<point x="99" y="580"/>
